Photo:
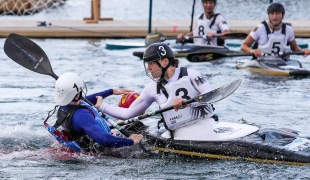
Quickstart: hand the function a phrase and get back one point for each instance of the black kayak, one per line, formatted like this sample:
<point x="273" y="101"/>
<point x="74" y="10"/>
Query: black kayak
<point x="274" y="67"/>
<point x="234" y="141"/>
<point x="183" y="50"/>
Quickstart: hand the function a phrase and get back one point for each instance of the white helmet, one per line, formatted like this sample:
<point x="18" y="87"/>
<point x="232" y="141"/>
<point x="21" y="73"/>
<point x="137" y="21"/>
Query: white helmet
<point x="66" y="87"/>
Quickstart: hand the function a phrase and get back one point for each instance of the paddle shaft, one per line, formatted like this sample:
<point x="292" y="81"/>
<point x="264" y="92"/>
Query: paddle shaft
<point x="251" y="54"/>
<point x="159" y="37"/>
<point x="227" y="35"/>
<point x="206" y="98"/>
<point x="146" y="115"/>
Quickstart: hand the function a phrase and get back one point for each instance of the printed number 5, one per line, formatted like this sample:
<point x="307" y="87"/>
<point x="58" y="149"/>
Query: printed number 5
<point x="275" y="46"/>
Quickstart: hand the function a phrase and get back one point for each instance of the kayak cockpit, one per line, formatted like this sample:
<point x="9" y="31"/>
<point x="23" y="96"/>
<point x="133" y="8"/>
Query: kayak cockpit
<point x="211" y="130"/>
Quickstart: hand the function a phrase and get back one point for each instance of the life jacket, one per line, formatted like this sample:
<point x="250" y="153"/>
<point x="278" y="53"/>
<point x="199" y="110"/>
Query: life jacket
<point x="183" y="88"/>
<point x="276" y="43"/>
<point x="203" y="27"/>
<point x="64" y="132"/>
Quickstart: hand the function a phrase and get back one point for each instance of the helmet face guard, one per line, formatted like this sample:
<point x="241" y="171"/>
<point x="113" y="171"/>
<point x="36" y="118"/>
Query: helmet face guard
<point x="151" y="57"/>
<point x="156" y="74"/>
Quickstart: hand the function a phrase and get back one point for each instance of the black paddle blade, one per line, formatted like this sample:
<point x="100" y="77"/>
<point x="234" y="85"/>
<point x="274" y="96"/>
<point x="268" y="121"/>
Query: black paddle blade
<point x="28" y="54"/>
<point x="138" y="54"/>
<point x="219" y="93"/>
<point x="210" y="56"/>
<point x="154" y="38"/>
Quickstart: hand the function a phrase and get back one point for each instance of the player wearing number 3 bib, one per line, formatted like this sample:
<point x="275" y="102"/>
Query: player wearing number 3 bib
<point x="170" y="86"/>
<point x="274" y="37"/>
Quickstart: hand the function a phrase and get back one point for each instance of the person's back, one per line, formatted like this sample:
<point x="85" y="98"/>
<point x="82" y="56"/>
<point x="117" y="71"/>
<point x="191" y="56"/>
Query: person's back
<point x="80" y="121"/>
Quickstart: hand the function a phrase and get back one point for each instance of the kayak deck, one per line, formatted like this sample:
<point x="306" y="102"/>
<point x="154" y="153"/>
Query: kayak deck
<point x="276" y="67"/>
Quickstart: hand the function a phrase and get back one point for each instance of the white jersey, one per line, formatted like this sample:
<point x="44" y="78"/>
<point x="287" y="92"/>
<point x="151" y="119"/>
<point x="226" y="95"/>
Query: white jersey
<point x="149" y="95"/>
<point x="202" y="28"/>
<point x="274" y="43"/>
<point x="175" y="119"/>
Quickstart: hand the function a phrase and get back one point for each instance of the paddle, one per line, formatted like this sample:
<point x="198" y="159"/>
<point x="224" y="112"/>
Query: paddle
<point x="159" y="37"/>
<point x="29" y="55"/>
<point x="207" y="98"/>
<point x="210" y="56"/>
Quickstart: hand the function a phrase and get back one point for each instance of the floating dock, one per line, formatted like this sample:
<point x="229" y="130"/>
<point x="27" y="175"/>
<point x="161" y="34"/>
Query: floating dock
<point x="123" y="28"/>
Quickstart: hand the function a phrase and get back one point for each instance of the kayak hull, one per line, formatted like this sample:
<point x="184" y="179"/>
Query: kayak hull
<point x="123" y="45"/>
<point x="261" y="145"/>
<point x="274" y="67"/>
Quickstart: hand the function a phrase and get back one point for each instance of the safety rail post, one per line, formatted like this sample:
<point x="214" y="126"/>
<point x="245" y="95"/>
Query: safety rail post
<point x="95" y="13"/>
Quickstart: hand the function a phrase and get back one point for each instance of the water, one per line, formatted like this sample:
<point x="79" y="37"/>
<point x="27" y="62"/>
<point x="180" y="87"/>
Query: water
<point x="28" y="152"/>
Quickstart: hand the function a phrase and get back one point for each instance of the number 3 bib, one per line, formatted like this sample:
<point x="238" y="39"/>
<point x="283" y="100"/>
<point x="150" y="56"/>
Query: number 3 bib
<point x="181" y="88"/>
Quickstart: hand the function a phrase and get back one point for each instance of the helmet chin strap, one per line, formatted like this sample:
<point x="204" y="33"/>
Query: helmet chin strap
<point x="274" y="26"/>
<point x="164" y="69"/>
<point x="79" y="97"/>
<point x="162" y="82"/>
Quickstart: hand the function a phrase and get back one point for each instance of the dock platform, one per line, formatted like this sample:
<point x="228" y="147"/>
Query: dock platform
<point x="124" y="28"/>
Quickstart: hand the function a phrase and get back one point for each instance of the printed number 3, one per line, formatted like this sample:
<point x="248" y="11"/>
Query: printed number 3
<point x="162" y="49"/>
<point x="185" y="93"/>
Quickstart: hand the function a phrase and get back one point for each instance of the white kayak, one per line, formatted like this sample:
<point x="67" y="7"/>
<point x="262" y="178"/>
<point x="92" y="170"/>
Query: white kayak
<point x="274" y="67"/>
<point x="210" y="130"/>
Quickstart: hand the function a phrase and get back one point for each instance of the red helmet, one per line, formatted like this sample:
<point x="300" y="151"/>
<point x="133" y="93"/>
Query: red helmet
<point x="128" y="99"/>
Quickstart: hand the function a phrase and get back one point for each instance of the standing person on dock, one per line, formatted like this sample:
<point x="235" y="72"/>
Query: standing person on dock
<point x="170" y="86"/>
<point x="207" y="25"/>
<point x="81" y="122"/>
<point x="273" y="37"/>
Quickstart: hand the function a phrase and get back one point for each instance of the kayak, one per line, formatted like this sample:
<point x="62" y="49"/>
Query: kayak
<point x="210" y="138"/>
<point x="117" y="45"/>
<point x="274" y="67"/>
<point x="183" y="50"/>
